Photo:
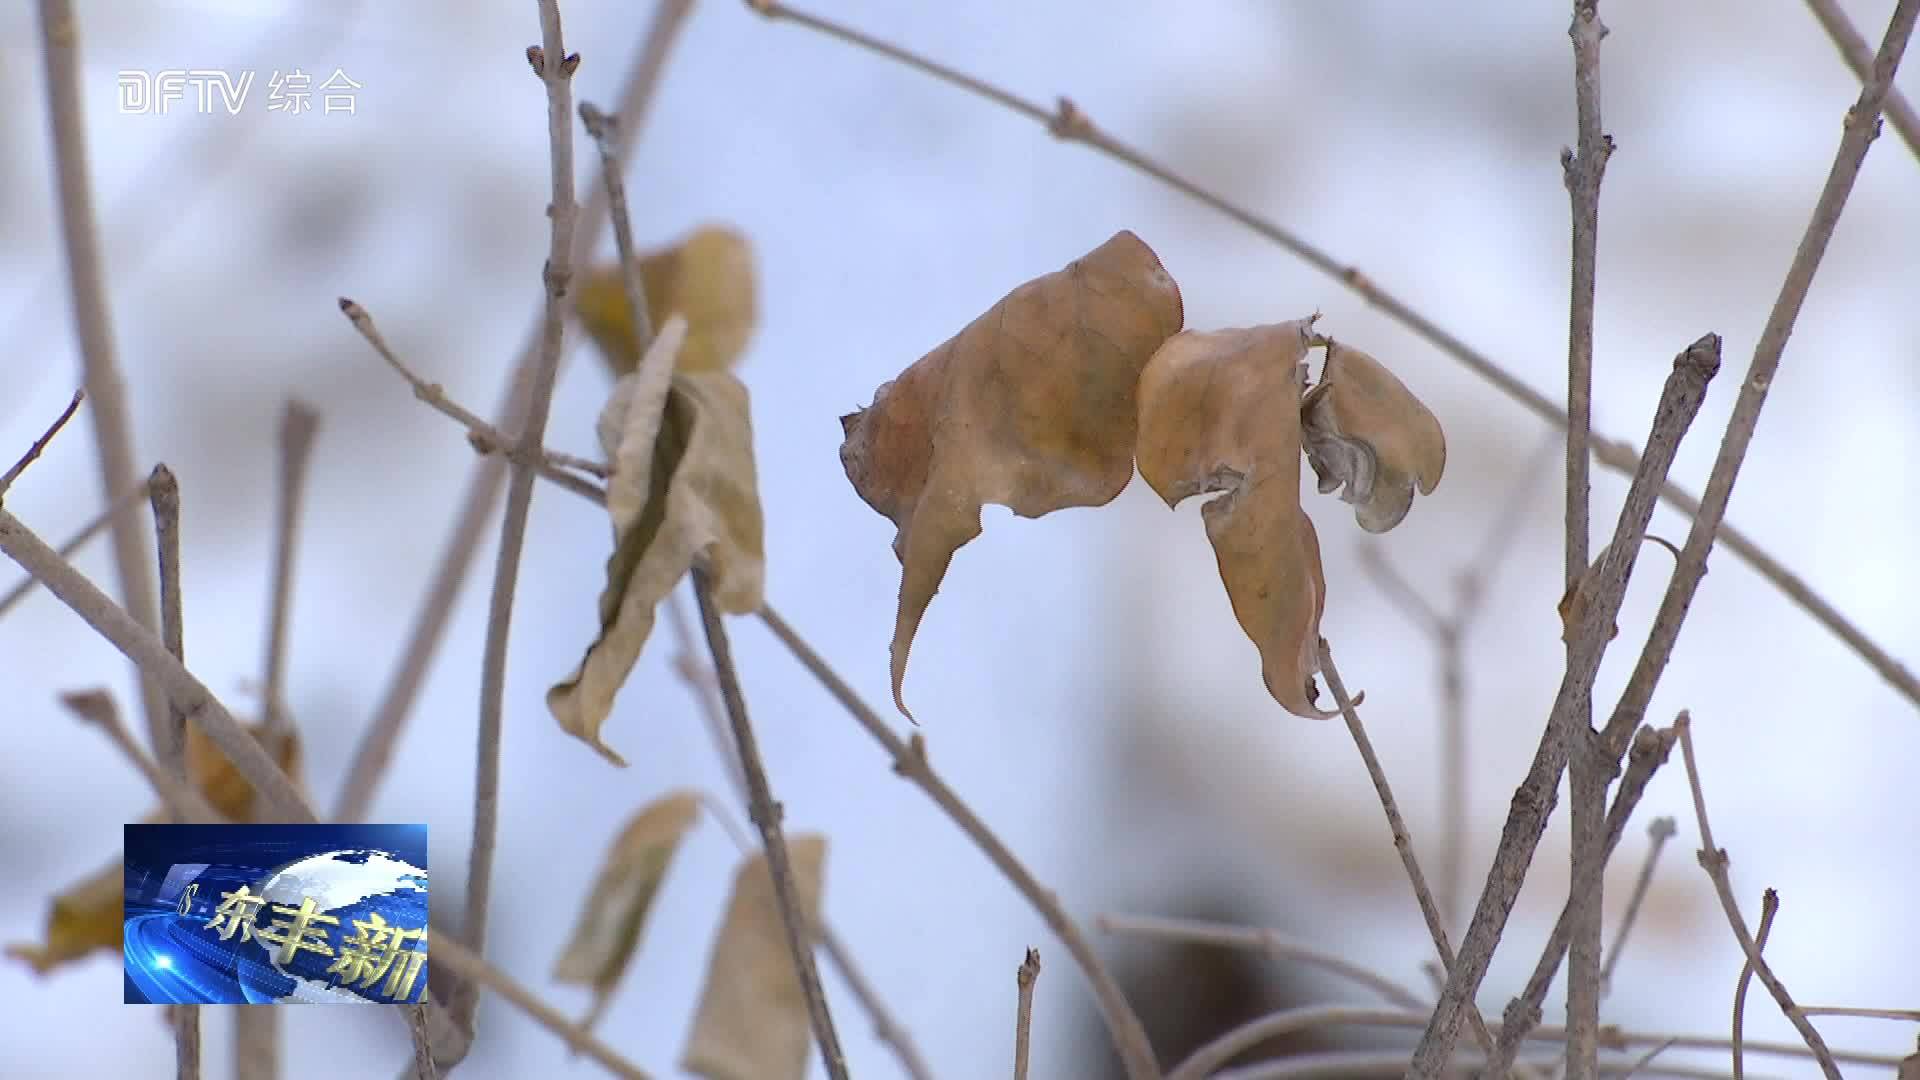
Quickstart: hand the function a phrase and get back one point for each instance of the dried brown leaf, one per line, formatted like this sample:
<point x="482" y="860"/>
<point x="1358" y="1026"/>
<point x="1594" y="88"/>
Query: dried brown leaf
<point x="707" y="278"/>
<point x="1365" y="430"/>
<point x="701" y="501"/>
<point x="1220" y="412"/>
<point x="85" y="917"/>
<point x="1031" y="407"/>
<point x="752" y="1023"/>
<point x="615" y="913"/>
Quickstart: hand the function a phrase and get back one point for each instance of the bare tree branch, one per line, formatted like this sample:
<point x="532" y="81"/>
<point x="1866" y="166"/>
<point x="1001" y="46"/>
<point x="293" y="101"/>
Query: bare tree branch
<point x="1853" y="48"/>
<point x="1769" y="907"/>
<point x="172" y="751"/>
<point x="1397" y="825"/>
<point x="40" y="444"/>
<point x="1651" y="747"/>
<point x="1598" y="604"/>
<point x="1714" y="860"/>
<point x="1659" y="831"/>
<point x="375" y="750"/>
<point x="1024" y="978"/>
<point x="1583" y="171"/>
<point x="1271" y="942"/>
<point x="93" y="325"/>
<point x="180" y="798"/>
<point x="765" y="814"/>
<point x="910" y="761"/>
<point x="557" y="274"/>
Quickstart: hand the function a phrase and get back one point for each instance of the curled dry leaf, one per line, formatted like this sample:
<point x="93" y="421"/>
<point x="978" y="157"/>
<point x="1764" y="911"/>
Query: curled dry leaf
<point x="683" y="487"/>
<point x="1366" y="430"/>
<point x="707" y="278"/>
<point x="752" y="1023"/>
<point x="1220" y="412"/>
<point x="1030" y="407"/>
<point x="84" y="918"/>
<point x="610" y="924"/>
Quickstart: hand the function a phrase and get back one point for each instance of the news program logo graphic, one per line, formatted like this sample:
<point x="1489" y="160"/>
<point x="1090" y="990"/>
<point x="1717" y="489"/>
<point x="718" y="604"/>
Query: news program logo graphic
<point x="276" y="914"/>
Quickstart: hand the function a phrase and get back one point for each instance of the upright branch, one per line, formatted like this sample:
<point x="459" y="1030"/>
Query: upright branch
<point x="93" y="325"/>
<point x="1583" y="170"/>
<point x="165" y="498"/>
<point x="911" y="762"/>
<point x="1069" y="123"/>
<point x="1651" y="748"/>
<point x="1597" y="603"/>
<point x="1024" y="978"/>
<point x="374" y="751"/>
<point x="1714" y="860"/>
<point x="555" y="68"/>
<point x="1769" y="907"/>
<point x="766" y="814"/>
<point x="298" y="423"/>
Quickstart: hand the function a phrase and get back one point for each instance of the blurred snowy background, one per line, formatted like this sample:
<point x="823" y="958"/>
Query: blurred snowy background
<point x="1080" y="678"/>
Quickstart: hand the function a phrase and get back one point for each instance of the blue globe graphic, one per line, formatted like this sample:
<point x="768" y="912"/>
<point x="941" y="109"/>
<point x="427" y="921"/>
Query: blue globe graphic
<point x="361" y="891"/>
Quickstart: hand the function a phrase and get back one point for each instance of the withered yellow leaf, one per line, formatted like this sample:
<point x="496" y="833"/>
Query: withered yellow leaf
<point x="220" y="781"/>
<point x="752" y="1022"/>
<point x="1365" y="430"/>
<point x="86" y="917"/>
<point x="1030" y="407"/>
<point x="700" y="500"/>
<point x="707" y="278"/>
<point x="1220" y="412"/>
<point x="609" y="928"/>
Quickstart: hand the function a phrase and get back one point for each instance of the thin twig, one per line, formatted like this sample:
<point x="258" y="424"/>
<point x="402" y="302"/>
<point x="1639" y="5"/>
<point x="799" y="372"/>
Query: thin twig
<point x="1769" y="907"/>
<point x="1651" y="746"/>
<point x="172" y="752"/>
<point x="40" y="444"/>
<point x="1069" y="123"/>
<point x="1714" y="861"/>
<point x="1024" y="978"/>
<point x="557" y="274"/>
<point x="911" y="762"/>
<point x="1397" y="825"/>
<point x="1205" y="1061"/>
<point x="705" y="688"/>
<point x="1602" y="588"/>
<point x="1659" y="831"/>
<point x="1271" y="942"/>
<point x="374" y="753"/>
<point x="605" y="132"/>
<point x="1902" y="1015"/>
<point x="257" y="1032"/>
<point x="180" y="798"/>
<point x="1641" y="1064"/>
<point x="1372" y="1064"/>
<point x="79" y="540"/>
<point x="298" y="424"/>
<point x="765" y="814"/>
<point x="1853" y="48"/>
<point x="93" y="326"/>
<point x="473" y="970"/>
<point x="481" y="435"/>
<point x="1587" y="784"/>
